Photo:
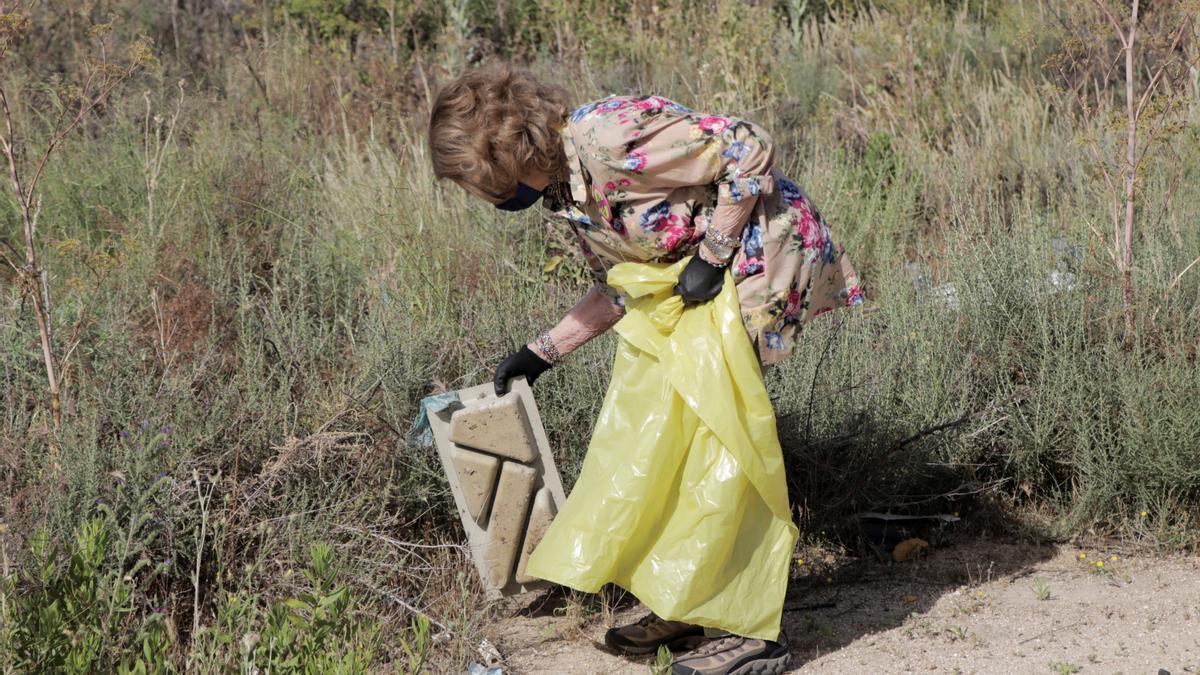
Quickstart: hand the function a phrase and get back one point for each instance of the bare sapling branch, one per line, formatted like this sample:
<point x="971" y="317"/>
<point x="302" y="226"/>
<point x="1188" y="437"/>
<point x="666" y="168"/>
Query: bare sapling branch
<point x="1131" y="139"/>
<point x="1151" y="96"/>
<point x="79" y="102"/>
<point x="155" y="147"/>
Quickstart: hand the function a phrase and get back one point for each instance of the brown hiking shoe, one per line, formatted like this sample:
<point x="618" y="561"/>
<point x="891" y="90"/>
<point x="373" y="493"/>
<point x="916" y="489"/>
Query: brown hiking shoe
<point x="734" y="655"/>
<point x="650" y="632"/>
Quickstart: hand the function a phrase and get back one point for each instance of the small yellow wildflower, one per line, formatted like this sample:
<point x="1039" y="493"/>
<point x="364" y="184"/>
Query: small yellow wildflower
<point x="1144" y="514"/>
<point x="799" y="562"/>
<point x="1082" y="556"/>
<point x="1113" y="558"/>
<point x="1099" y="563"/>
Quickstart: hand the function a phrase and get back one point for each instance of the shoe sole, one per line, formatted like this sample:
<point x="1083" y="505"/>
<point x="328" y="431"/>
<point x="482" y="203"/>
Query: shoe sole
<point x="775" y="666"/>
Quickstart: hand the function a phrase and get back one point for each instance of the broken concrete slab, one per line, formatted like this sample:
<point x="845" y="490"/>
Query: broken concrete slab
<point x="500" y="427"/>
<point x="509" y="522"/>
<point x="476" y="476"/>
<point x="539" y="521"/>
<point x="502" y="475"/>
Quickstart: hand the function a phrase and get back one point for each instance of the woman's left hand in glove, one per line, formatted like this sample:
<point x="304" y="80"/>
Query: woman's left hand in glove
<point x="700" y="281"/>
<point x="521" y="362"/>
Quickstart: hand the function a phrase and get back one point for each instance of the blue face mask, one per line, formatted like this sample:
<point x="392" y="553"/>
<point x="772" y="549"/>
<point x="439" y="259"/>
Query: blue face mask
<point x="525" y="198"/>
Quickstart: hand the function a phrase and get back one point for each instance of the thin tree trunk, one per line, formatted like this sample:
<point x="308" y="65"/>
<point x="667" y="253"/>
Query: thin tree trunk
<point x="40" y="302"/>
<point x="31" y="272"/>
<point x="1130" y="177"/>
<point x="392" y="34"/>
<point x="175" y="26"/>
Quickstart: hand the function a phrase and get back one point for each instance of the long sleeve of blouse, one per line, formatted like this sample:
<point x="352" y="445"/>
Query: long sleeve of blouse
<point x="734" y="155"/>
<point x="648" y="176"/>
<point x="594" y="314"/>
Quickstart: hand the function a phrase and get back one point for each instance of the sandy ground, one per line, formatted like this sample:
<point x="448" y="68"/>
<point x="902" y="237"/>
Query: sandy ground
<point x="968" y="608"/>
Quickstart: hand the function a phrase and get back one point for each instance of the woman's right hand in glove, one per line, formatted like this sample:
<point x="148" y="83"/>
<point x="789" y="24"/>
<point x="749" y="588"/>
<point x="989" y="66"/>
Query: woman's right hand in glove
<point x="521" y="362"/>
<point x="700" y="280"/>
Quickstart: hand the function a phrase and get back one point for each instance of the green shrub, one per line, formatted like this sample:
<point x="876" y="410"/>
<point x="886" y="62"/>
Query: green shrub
<point x="315" y="632"/>
<point x="81" y="615"/>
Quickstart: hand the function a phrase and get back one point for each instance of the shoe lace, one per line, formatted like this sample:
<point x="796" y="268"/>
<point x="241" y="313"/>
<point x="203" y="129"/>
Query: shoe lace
<point x="717" y="646"/>
<point x="648" y="619"/>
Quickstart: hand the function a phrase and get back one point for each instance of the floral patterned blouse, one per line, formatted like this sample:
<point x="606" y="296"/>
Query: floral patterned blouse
<point x="647" y="177"/>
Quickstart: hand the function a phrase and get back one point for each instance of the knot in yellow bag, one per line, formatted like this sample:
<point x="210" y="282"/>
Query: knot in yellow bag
<point x="682" y="498"/>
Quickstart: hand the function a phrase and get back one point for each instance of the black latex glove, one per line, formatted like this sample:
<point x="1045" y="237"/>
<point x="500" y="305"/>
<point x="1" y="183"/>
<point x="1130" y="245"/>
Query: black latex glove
<point x="521" y="362"/>
<point x="700" y="280"/>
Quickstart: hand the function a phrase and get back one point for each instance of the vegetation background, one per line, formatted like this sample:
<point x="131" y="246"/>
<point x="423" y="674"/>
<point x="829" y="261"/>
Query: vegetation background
<point x="255" y="278"/>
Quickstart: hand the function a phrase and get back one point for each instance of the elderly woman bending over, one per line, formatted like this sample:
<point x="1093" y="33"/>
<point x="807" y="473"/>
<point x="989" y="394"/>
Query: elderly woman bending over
<point x="644" y="179"/>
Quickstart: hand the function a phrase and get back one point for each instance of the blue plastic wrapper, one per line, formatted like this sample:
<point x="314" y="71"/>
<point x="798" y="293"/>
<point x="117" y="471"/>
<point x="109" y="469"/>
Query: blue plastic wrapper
<point x="421" y="435"/>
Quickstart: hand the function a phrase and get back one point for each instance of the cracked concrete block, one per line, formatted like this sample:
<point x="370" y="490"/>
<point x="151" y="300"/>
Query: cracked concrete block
<point x="507" y="490"/>
<point x="500" y="426"/>
<point x="539" y="520"/>
<point x="476" y="476"/>
<point x="508" y="523"/>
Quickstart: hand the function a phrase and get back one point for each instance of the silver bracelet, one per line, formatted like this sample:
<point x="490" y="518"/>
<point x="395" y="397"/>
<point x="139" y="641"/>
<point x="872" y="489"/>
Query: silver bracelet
<point x="722" y="240"/>
<point x="546" y="346"/>
<point x="719" y="265"/>
<point x="719" y="252"/>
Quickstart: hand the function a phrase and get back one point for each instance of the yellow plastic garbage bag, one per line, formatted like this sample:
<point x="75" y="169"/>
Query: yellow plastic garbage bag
<point x="681" y="498"/>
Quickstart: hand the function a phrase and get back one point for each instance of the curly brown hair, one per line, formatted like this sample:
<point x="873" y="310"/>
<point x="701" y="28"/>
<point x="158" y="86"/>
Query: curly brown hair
<point x="493" y="124"/>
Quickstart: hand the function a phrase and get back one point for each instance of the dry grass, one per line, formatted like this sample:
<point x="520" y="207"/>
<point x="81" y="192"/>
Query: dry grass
<point x="306" y="281"/>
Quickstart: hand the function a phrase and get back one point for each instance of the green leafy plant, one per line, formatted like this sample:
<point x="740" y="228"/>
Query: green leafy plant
<point x="316" y="631"/>
<point x="416" y="650"/>
<point x="1041" y="589"/>
<point x="662" y="661"/>
<point x="80" y="615"/>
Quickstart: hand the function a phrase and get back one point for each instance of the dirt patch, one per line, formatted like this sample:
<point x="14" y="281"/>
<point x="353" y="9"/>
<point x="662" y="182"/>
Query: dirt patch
<point x="978" y="607"/>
